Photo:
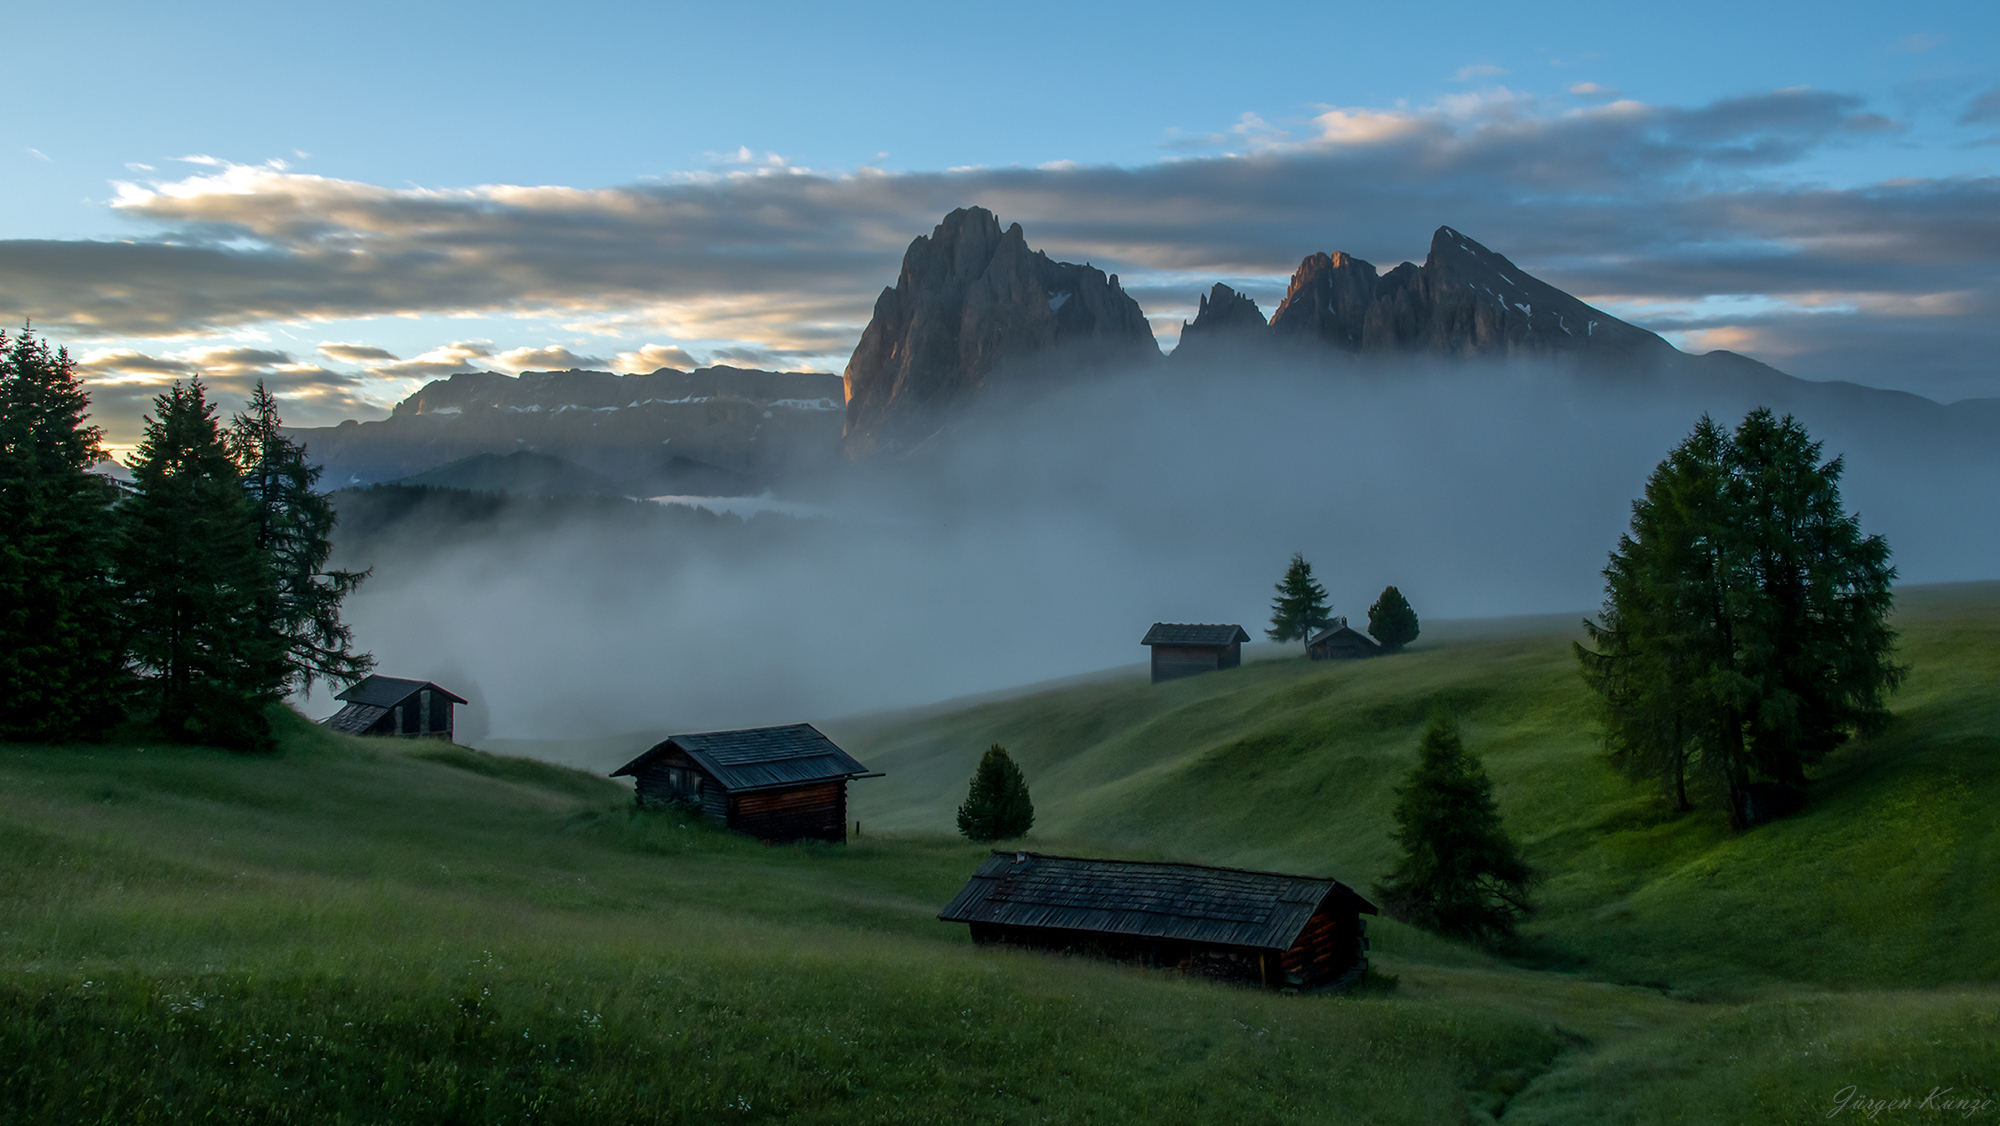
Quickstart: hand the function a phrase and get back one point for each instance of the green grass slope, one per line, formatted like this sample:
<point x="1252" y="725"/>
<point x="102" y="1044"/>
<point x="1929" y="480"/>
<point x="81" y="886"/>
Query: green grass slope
<point x="1888" y="877"/>
<point x="375" y="931"/>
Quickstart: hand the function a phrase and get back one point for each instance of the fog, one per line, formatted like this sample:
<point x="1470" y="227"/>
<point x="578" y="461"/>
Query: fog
<point x="1039" y="538"/>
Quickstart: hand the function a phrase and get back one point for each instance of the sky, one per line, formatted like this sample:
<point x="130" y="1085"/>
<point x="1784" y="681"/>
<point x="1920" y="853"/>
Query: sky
<point x="348" y="201"/>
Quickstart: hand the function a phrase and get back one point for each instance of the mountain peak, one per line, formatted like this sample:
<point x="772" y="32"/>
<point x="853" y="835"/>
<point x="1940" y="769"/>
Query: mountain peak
<point x="971" y="301"/>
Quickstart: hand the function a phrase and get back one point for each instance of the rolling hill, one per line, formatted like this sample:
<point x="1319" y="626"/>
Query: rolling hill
<point x="355" y="930"/>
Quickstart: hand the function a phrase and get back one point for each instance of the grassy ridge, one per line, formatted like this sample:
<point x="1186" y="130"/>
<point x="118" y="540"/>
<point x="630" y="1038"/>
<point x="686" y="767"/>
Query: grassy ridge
<point x="1887" y="878"/>
<point x="368" y="931"/>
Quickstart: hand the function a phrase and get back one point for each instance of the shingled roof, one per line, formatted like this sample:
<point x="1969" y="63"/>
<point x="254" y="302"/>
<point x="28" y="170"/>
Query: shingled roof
<point x="1189" y="902"/>
<point x="388" y="691"/>
<point x="355" y="719"/>
<point x="1166" y="633"/>
<point x="758" y="758"/>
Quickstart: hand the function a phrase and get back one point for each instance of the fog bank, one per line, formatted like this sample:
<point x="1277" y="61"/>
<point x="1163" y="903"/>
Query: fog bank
<point x="1041" y="539"/>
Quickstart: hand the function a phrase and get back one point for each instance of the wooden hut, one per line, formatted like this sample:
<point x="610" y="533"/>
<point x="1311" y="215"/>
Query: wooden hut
<point x="775" y="783"/>
<point x="386" y="705"/>
<point x="1188" y="650"/>
<point x="1339" y="641"/>
<point x="1262" y="928"/>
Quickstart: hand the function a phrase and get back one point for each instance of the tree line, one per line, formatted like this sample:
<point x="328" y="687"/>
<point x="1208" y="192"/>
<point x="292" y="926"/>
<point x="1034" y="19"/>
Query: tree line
<point x="188" y="601"/>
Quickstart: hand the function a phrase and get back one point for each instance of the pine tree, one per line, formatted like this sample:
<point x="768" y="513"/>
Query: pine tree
<point x="293" y="525"/>
<point x="1391" y="621"/>
<point x="61" y="663"/>
<point x="1460" y="873"/>
<point x="996" y="805"/>
<point x="199" y="596"/>
<point x="1301" y="606"/>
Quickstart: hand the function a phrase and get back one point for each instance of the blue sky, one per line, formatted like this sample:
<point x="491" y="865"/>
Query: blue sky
<point x="350" y="200"/>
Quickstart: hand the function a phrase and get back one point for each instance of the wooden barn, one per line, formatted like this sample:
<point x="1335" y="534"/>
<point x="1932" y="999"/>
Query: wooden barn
<point x="1339" y="641"/>
<point x="385" y="705"/>
<point x="1188" y="650"/>
<point x="1261" y="928"/>
<point x="775" y="783"/>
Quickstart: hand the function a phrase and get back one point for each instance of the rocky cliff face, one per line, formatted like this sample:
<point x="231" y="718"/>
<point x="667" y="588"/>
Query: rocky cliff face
<point x="1225" y="317"/>
<point x="1465" y="300"/>
<point x="974" y="303"/>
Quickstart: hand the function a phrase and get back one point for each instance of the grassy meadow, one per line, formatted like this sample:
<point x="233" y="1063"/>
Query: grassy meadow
<point x="370" y="931"/>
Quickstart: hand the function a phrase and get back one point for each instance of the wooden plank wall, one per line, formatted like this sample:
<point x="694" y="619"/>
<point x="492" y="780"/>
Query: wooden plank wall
<point x="1171" y="662"/>
<point x="1328" y="947"/>
<point x="816" y="811"/>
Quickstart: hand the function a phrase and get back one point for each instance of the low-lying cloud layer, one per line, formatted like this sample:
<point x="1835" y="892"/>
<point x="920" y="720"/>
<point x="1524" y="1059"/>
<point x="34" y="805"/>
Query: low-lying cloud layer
<point x="1690" y="219"/>
<point x="1043" y="542"/>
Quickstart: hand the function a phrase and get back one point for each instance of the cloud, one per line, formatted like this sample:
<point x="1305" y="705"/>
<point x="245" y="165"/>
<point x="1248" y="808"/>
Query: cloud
<point x="1984" y="108"/>
<point x="355" y="353"/>
<point x="1478" y="70"/>
<point x="550" y="357"/>
<point x="1920" y="42"/>
<point x="442" y="362"/>
<point x="652" y="358"/>
<point x="1614" y="197"/>
<point x="1593" y="90"/>
<point x="123" y="383"/>
<point x="41" y="156"/>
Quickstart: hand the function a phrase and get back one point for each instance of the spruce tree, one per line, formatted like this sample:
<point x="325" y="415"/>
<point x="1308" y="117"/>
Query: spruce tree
<point x="294" y="523"/>
<point x="1301" y="607"/>
<point x="61" y="663"/>
<point x="1391" y="621"/>
<point x="996" y="805"/>
<point x="199" y="596"/>
<point x="1460" y="874"/>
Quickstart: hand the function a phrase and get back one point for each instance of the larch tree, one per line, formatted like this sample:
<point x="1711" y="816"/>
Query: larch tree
<point x="1744" y="633"/>
<point x="294" y="524"/>
<point x="199" y="596"/>
<point x="1459" y="873"/>
<point x="61" y="657"/>
<point x="1301" y="607"/>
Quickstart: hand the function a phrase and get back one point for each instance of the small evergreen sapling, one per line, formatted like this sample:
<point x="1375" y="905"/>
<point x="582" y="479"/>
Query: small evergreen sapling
<point x="1301" y="607"/>
<point x="1460" y="874"/>
<point x="996" y="806"/>
<point x="1391" y="621"/>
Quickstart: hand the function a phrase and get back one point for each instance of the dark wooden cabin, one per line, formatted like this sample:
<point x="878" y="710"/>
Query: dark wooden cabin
<point x="1262" y="928"/>
<point x="775" y="783"/>
<point x="1339" y="641"/>
<point x="1188" y="650"/>
<point x="385" y="705"/>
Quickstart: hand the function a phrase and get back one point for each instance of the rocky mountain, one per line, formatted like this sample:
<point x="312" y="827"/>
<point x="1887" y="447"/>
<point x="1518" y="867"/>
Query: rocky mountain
<point x="974" y="305"/>
<point x="1465" y="300"/>
<point x="668" y="432"/>
<point x="1225" y="318"/>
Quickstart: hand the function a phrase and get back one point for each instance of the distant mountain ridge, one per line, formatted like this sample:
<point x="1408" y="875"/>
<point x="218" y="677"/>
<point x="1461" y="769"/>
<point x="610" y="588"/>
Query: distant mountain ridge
<point x="646" y="433"/>
<point x="971" y="301"/>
